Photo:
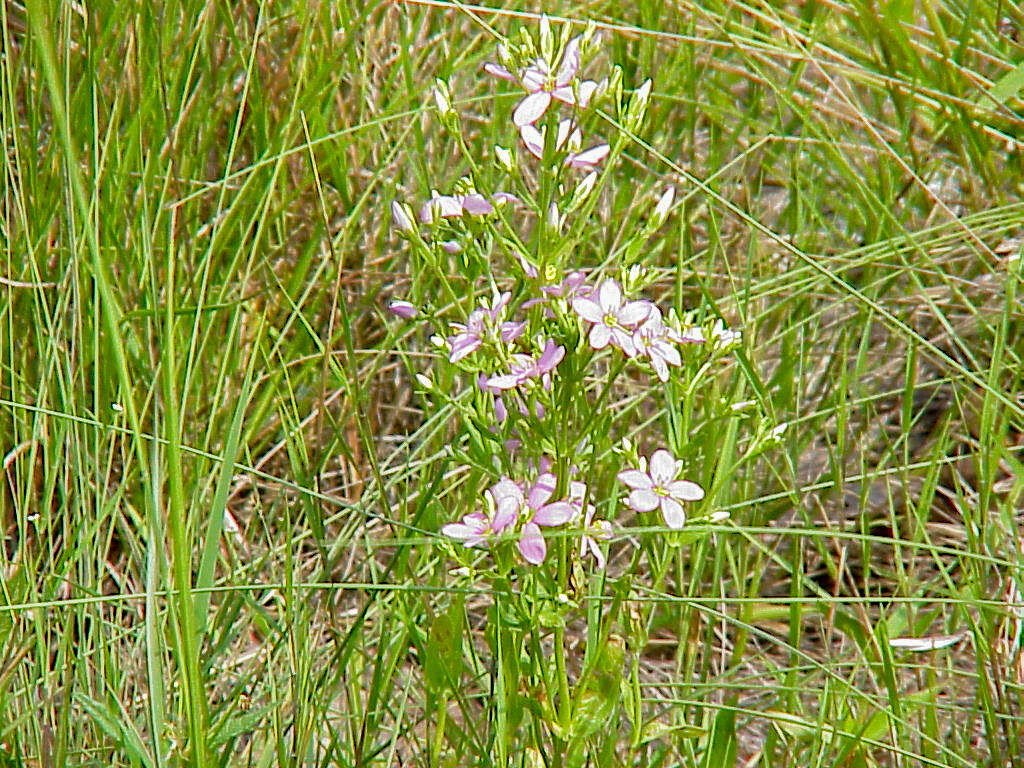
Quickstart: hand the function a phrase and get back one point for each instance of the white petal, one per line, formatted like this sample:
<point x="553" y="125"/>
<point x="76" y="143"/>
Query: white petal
<point x="685" y="490"/>
<point x="644" y="501"/>
<point x="664" y="467"/>
<point x="673" y="513"/>
<point x="531" y="108"/>
<point x="609" y="296"/>
<point x="600" y="335"/>
<point x="634" y="478"/>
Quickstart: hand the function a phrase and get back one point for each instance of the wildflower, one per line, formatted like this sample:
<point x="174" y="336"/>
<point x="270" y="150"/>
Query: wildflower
<point x="454" y="206"/>
<point x="663" y="206"/>
<point x="483" y="323"/>
<point x="568" y="138"/>
<point x="403" y="309"/>
<point x="654" y="341"/>
<point x="533" y="509"/>
<point x="660" y="488"/>
<point x="592" y="530"/>
<point x="524" y="367"/>
<point x="543" y="84"/>
<point x="477" y="527"/>
<point x="613" y="321"/>
<point x="400" y="215"/>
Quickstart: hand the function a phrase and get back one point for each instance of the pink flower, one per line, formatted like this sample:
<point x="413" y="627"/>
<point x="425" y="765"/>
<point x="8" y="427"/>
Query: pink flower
<point x="454" y="206"/>
<point x="654" y="340"/>
<point x="569" y="138"/>
<point x="533" y="509"/>
<point x="483" y="324"/>
<point x="524" y="367"/>
<point x="543" y="83"/>
<point x="477" y="527"/>
<point x="660" y="488"/>
<point x="613" y="321"/>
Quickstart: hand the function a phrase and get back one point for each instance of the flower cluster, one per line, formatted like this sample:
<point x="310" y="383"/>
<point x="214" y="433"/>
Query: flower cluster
<point x="514" y="510"/>
<point x="514" y="344"/>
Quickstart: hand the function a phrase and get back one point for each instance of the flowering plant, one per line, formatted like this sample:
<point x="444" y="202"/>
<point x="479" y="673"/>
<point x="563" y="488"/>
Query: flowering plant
<point x="532" y="370"/>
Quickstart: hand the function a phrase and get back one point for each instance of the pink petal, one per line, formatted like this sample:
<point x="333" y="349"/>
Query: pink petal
<point x="664" y="467"/>
<point x="531" y="544"/>
<point x="531" y="108"/>
<point x="660" y="368"/>
<point x="673" y="513"/>
<point x="588" y="543"/>
<point x="571" y="61"/>
<point x="564" y="94"/>
<point x="555" y="514"/>
<point x="590" y="158"/>
<point x="533" y="139"/>
<point x="634" y="313"/>
<point x="634" y="478"/>
<point x="461" y="346"/>
<point x="478" y="205"/>
<point x="643" y="500"/>
<point x="534" y="79"/>
<point x="685" y="490"/>
<point x="541" y="491"/>
<point x="498" y="71"/>
<point x="586" y="92"/>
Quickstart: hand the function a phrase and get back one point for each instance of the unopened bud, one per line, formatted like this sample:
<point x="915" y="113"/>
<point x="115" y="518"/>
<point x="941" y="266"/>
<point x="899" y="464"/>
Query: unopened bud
<point x="547" y="40"/>
<point x="583" y="190"/>
<point x="504" y="158"/>
<point x="554" y="219"/>
<point x="425" y="382"/>
<point x="663" y="207"/>
<point x="401" y="215"/>
<point x="442" y="97"/>
<point x="402" y="309"/>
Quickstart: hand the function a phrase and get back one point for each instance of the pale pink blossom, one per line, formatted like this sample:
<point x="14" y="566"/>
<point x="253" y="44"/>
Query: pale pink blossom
<point x="532" y="507"/>
<point x="523" y="367"/>
<point x="454" y="206"/>
<point x="546" y="81"/>
<point x="477" y="527"/>
<point x="660" y="488"/>
<point x="483" y="324"/>
<point x="654" y="341"/>
<point x="613" y="319"/>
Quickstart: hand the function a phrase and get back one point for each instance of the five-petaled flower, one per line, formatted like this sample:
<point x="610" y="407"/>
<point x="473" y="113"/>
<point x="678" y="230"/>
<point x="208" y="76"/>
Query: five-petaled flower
<point x="659" y="487"/>
<point x="613" y="320"/>
<point x="482" y="324"/>
<point x="544" y="81"/>
<point x="509" y="503"/>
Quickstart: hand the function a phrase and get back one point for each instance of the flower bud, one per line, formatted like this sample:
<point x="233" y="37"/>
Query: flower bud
<point x="663" y="207"/>
<point x="442" y="97"/>
<point x="504" y="159"/>
<point x="547" y="40"/>
<point x="401" y="215"/>
<point x="583" y="190"/>
<point x="402" y="309"/>
<point x="425" y="382"/>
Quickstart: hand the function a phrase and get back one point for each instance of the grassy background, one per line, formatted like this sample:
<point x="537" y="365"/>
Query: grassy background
<point x="220" y="497"/>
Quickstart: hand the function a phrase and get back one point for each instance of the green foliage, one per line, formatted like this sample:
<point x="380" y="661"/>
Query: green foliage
<point x="219" y="499"/>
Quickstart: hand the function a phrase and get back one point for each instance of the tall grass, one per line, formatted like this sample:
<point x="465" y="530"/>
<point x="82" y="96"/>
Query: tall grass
<point x="221" y="495"/>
